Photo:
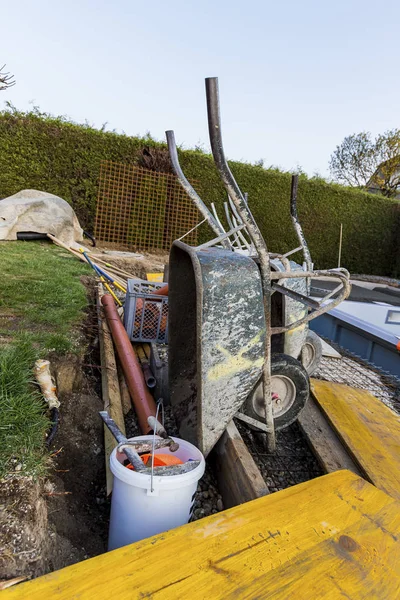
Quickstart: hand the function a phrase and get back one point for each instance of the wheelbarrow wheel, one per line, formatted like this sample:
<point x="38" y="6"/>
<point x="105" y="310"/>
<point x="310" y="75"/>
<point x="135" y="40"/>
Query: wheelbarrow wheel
<point x="311" y="352"/>
<point x="290" y="389"/>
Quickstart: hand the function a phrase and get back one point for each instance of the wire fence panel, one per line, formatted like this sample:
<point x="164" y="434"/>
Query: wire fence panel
<point x="143" y="209"/>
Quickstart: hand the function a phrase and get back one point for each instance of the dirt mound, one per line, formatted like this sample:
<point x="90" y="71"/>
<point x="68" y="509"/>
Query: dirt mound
<point x="23" y="528"/>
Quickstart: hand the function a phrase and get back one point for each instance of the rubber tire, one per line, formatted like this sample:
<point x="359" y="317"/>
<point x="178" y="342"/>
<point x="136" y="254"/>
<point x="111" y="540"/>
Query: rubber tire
<point x="313" y="340"/>
<point x="282" y="364"/>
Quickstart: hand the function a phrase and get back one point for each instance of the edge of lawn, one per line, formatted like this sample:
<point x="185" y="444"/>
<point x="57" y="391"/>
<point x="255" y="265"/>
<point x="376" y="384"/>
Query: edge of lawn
<point x="42" y="308"/>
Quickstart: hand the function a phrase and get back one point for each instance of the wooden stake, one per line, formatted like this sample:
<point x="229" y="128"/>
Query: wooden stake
<point x="109" y="384"/>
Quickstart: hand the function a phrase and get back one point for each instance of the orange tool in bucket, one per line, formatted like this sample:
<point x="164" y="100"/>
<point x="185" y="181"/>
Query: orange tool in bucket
<point x="160" y="460"/>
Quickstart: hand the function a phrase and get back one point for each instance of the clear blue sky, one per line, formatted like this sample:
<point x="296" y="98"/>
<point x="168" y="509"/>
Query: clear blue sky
<point x="295" y="77"/>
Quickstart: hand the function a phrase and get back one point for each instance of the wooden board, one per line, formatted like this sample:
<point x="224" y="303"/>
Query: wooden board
<point x="239" y="479"/>
<point x="109" y="385"/>
<point x="369" y="430"/>
<point x="124" y="391"/>
<point x="333" y="537"/>
<point x="157" y="277"/>
<point x="326" y="445"/>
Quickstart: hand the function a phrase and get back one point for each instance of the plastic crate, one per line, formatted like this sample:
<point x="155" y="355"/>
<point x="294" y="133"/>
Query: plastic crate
<point x="146" y="314"/>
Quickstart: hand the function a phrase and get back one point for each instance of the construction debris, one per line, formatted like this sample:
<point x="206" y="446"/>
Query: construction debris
<point x="46" y="382"/>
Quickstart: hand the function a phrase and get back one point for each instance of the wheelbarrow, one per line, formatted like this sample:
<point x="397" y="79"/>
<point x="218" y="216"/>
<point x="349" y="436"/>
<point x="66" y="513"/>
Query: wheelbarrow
<point x="274" y="384"/>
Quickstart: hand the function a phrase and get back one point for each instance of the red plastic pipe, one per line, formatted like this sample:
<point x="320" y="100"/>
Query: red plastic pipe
<point x="161" y="291"/>
<point x="143" y="401"/>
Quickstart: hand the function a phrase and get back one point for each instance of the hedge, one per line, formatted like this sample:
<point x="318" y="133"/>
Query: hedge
<point x="55" y="155"/>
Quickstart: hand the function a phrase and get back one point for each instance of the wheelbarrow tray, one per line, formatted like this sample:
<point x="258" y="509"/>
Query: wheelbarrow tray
<point x="216" y="338"/>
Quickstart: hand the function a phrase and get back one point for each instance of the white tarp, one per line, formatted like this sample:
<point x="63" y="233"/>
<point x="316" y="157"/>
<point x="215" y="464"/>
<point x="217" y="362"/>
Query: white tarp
<point x="38" y="212"/>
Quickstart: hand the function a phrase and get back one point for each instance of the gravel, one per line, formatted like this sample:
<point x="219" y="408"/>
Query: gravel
<point x="355" y="372"/>
<point x="292" y="463"/>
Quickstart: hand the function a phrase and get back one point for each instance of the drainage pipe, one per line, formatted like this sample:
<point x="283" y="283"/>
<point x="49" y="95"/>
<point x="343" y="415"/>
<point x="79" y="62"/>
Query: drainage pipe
<point x="143" y="401"/>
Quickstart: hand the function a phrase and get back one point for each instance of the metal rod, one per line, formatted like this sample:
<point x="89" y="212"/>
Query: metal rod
<point x="214" y="210"/>
<point x="219" y="239"/>
<point x="306" y="300"/>
<point x="250" y="421"/>
<point x="296" y="223"/>
<point x="135" y="459"/>
<point x="141" y="446"/>
<point x="323" y="309"/>
<point x="232" y="226"/>
<point x="214" y="127"/>
<point x="189" y="189"/>
<point x="298" y="228"/>
<point x="340" y="244"/>
<point x="190" y="230"/>
<point x="130" y="453"/>
<point x="235" y="217"/>
<point x="292" y="251"/>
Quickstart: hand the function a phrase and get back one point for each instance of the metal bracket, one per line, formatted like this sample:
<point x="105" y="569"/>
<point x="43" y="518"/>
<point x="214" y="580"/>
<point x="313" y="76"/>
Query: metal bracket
<point x="306" y="300"/>
<point x="220" y="238"/>
<point x="258" y="424"/>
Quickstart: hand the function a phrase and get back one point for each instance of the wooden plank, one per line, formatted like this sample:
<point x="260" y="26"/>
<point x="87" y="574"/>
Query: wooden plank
<point x="124" y="391"/>
<point x="332" y="537"/>
<point x="324" y="442"/>
<point x="369" y="430"/>
<point x="239" y="478"/>
<point x="157" y="277"/>
<point x="109" y="385"/>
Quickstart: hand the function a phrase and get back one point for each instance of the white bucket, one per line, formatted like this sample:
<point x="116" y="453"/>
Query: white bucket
<point x="136" y="511"/>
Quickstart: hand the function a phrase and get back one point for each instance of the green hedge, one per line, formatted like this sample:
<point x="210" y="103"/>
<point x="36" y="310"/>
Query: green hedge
<point x="52" y="154"/>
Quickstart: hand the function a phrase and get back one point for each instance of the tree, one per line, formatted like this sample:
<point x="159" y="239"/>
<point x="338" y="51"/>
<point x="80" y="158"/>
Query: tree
<point x="367" y="163"/>
<point x="6" y="79"/>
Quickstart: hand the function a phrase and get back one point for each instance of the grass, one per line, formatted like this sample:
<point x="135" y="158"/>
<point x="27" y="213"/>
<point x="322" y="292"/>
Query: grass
<point x="41" y="294"/>
<point x="42" y="303"/>
<point x="23" y="421"/>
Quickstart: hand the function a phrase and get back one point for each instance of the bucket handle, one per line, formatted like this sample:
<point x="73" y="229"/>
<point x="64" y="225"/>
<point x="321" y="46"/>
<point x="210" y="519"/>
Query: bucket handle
<point x="153" y="492"/>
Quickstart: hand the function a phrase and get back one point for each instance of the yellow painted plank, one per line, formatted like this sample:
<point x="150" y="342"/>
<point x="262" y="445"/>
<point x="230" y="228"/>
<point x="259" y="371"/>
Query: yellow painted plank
<point x="368" y="428"/>
<point x="334" y="537"/>
<point x="157" y="277"/>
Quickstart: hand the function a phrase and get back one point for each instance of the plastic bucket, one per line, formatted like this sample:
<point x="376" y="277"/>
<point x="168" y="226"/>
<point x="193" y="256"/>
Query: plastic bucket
<point x="136" y="511"/>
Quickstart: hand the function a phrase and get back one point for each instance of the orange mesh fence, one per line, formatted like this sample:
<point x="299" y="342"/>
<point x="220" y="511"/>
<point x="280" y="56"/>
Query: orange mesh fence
<point x="142" y="209"/>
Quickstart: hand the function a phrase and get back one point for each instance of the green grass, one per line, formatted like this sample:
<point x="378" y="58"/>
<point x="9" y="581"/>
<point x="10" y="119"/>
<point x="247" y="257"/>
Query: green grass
<point x="23" y="421"/>
<point x="41" y="294"/>
<point x="42" y="303"/>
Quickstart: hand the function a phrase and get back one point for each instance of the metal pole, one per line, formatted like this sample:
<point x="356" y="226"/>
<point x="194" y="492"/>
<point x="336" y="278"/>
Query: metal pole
<point x="340" y="245"/>
<point x="214" y="127"/>
<point x="296" y="223"/>
<point x="130" y="453"/>
<point x="298" y="228"/>
<point x="189" y="189"/>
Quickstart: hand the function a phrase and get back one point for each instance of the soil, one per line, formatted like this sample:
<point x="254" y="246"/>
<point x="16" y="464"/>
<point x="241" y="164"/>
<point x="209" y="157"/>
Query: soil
<point x="55" y="522"/>
<point x="23" y="528"/>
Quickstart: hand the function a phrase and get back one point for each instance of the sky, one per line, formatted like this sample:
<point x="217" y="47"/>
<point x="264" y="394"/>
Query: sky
<point x="295" y="76"/>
